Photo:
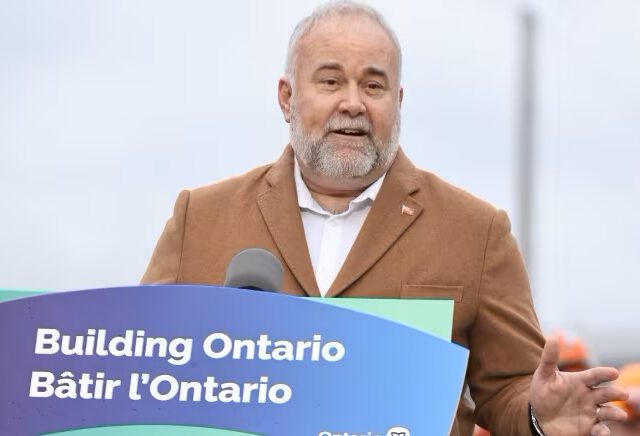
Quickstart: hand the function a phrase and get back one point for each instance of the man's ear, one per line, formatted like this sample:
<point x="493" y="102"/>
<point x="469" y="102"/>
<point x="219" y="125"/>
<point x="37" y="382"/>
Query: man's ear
<point x="285" y="92"/>
<point x="400" y="96"/>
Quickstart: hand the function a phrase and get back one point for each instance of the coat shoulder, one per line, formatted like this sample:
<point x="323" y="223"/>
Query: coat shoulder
<point x="451" y="199"/>
<point x="236" y="187"/>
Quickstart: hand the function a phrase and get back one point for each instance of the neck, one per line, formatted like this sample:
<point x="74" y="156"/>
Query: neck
<point x="334" y="195"/>
<point x="334" y="203"/>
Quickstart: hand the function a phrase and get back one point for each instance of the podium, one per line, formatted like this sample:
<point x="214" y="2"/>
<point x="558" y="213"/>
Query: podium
<point x="216" y="361"/>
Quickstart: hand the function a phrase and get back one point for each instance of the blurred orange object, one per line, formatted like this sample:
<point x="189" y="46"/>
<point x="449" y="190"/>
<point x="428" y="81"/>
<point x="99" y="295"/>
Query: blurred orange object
<point x="574" y="355"/>
<point x="630" y="379"/>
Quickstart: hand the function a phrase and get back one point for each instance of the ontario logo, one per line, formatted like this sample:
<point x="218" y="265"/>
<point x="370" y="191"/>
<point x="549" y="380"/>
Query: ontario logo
<point x="394" y="431"/>
<point x="398" y="431"/>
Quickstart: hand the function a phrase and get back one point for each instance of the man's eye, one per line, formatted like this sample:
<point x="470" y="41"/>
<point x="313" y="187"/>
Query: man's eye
<point x="374" y="86"/>
<point x="330" y="82"/>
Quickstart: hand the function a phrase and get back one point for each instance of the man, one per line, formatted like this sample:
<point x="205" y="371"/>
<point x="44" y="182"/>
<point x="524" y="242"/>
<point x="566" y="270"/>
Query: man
<point x="349" y="215"/>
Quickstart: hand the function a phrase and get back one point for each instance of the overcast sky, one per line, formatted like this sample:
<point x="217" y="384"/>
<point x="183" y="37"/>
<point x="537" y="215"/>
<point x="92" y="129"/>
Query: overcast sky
<point x="109" y="109"/>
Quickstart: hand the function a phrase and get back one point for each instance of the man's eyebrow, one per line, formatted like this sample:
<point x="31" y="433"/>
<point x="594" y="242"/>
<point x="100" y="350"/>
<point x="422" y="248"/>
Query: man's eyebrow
<point x="376" y="71"/>
<point x="332" y="66"/>
<point x="371" y="70"/>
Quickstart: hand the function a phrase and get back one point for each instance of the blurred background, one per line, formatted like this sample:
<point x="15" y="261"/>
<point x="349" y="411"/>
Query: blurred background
<point x="109" y="109"/>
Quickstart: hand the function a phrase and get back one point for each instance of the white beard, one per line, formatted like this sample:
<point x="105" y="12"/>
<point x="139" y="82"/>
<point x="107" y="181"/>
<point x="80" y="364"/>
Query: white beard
<point x="323" y="157"/>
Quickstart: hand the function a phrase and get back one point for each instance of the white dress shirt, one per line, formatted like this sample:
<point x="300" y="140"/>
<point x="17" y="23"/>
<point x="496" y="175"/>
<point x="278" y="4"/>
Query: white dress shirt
<point x="330" y="237"/>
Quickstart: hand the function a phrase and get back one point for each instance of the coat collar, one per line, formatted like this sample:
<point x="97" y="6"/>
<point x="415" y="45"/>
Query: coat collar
<point x="393" y="211"/>
<point x="279" y="207"/>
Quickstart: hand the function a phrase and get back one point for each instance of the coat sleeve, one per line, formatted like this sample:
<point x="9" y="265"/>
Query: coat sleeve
<point x="165" y="263"/>
<point x="505" y="341"/>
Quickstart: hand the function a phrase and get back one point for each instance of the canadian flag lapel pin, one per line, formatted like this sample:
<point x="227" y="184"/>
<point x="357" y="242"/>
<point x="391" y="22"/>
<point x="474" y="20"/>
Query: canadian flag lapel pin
<point x="406" y="210"/>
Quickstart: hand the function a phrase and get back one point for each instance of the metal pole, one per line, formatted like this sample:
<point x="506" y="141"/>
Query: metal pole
<point x="525" y="132"/>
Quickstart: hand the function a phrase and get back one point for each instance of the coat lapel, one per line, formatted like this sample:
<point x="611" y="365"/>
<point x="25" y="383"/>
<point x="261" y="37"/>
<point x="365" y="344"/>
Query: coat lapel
<point x="385" y="223"/>
<point x="279" y="208"/>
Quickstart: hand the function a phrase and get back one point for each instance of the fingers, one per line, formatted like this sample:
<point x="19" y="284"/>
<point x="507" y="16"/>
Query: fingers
<point x="610" y="413"/>
<point x="600" y="430"/>
<point x="595" y="376"/>
<point x="605" y="394"/>
<point x="549" y="359"/>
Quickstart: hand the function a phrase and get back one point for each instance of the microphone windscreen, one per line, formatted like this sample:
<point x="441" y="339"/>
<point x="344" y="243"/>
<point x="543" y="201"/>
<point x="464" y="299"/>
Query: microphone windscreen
<point x="254" y="268"/>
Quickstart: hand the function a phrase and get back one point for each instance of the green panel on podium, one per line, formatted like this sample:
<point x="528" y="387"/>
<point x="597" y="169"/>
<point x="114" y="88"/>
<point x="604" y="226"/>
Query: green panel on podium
<point x="150" y="430"/>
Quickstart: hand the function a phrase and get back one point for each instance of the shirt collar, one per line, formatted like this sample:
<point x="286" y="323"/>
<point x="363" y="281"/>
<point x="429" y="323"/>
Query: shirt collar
<point x="306" y="200"/>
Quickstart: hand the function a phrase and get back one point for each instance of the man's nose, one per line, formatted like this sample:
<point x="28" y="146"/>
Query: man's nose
<point x="352" y="101"/>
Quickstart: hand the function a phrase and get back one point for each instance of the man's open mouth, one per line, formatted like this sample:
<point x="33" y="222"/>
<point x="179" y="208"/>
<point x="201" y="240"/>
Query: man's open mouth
<point x="350" y="132"/>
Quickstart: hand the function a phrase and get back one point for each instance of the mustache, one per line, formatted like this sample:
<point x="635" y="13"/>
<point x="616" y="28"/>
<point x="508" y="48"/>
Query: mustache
<point x="342" y="122"/>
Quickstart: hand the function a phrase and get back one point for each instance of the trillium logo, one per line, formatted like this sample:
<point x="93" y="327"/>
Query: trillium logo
<point x="398" y="431"/>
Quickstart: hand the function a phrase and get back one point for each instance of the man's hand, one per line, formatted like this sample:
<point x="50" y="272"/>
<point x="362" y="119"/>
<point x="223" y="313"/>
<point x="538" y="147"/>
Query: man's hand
<point x="573" y="403"/>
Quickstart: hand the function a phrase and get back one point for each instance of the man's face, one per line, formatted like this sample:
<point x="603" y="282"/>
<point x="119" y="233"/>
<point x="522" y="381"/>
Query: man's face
<point x="345" y="106"/>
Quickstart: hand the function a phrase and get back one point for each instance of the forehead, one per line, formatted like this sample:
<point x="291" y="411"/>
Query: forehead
<point x="352" y="41"/>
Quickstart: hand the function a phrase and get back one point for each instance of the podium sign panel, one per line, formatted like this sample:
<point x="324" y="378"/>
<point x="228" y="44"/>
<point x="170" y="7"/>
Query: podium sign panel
<point x="201" y="356"/>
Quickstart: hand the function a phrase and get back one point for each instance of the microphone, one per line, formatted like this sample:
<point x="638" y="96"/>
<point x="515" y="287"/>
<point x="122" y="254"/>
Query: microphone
<point x="254" y="268"/>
